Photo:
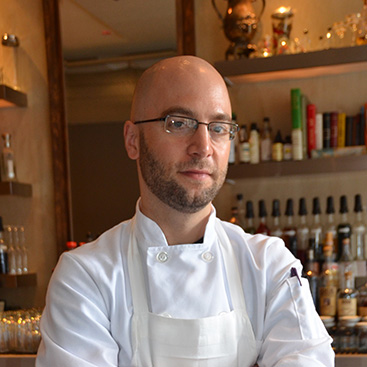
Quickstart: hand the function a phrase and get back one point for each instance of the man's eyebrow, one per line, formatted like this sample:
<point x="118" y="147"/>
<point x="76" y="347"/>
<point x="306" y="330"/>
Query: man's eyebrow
<point x="182" y="111"/>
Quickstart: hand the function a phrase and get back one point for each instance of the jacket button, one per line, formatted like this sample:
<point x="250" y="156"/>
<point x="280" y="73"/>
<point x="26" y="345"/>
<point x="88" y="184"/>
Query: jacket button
<point x="162" y="257"/>
<point x="207" y="256"/>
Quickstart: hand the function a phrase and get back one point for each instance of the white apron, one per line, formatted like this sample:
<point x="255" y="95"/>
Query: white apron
<point x="226" y="340"/>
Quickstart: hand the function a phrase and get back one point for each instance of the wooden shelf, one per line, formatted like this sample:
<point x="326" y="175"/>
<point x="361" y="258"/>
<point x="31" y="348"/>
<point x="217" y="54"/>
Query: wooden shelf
<point x="296" y="66"/>
<point x="16" y="281"/>
<point x="10" y="97"/>
<point x="15" y="188"/>
<point x="296" y="168"/>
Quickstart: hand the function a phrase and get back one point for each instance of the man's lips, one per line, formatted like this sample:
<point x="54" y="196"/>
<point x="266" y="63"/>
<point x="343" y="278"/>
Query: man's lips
<point x="196" y="174"/>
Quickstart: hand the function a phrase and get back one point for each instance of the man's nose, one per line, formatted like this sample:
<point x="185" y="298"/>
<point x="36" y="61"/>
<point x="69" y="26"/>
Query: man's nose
<point x="200" y="143"/>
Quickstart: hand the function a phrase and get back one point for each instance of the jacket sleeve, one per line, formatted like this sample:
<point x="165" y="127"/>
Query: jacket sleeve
<point x="75" y="326"/>
<point x="294" y="334"/>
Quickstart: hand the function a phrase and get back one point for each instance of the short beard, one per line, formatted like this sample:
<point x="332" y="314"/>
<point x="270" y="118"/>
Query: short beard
<point x="168" y="190"/>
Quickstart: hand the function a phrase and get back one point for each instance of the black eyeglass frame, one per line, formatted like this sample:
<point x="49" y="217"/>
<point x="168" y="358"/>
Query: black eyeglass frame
<point x="231" y="134"/>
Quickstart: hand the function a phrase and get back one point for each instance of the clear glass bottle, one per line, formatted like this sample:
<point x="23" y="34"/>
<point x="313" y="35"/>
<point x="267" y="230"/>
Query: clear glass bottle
<point x="290" y="230"/>
<point x="347" y="297"/>
<point x="12" y="264"/>
<point x="329" y="283"/>
<point x="316" y="229"/>
<point x="344" y="229"/>
<point x="330" y="226"/>
<point x="346" y="263"/>
<point x="234" y="216"/>
<point x="8" y="171"/>
<point x="266" y="141"/>
<point x="250" y="227"/>
<point x="311" y="272"/>
<point x="358" y="230"/>
<point x="4" y="268"/>
<point x="303" y="231"/>
<point x="263" y="227"/>
<point x="244" y="145"/>
<point x="24" y="250"/>
<point x="362" y="337"/>
<point x="254" y="144"/>
<point x="276" y="229"/>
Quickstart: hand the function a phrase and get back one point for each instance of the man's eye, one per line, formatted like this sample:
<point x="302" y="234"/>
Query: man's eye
<point x="177" y="124"/>
<point x="219" y="128"/>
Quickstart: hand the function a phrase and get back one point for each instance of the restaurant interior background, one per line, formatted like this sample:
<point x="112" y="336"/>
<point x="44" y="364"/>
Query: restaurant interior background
<point x="91" y="106"/>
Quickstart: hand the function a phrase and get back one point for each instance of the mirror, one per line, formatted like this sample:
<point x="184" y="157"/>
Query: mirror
<point x="97" y="91"/>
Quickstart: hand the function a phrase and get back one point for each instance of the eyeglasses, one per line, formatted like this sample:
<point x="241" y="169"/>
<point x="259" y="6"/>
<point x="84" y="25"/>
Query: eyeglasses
<point x="185" y="126"/>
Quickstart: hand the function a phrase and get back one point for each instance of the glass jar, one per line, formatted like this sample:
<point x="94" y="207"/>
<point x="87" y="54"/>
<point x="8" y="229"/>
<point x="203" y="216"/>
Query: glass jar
<point x="362" y="337"/>
<point x="331" y="328"/>
<point x="347" y="334"/>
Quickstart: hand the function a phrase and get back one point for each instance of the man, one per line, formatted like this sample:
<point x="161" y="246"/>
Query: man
<point x="175" y="286"/>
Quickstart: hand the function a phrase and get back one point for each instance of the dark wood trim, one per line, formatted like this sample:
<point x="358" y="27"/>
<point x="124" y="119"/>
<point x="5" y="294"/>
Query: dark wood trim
<point x="185" y="18"/>
<point x="59" y="139"/>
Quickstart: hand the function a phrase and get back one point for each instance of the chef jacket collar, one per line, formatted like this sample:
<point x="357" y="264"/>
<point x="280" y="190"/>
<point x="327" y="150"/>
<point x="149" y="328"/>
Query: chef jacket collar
<point x="149" y="234"/>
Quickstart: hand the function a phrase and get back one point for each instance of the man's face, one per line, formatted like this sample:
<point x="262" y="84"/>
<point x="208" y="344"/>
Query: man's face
<point x="186" y="172"/>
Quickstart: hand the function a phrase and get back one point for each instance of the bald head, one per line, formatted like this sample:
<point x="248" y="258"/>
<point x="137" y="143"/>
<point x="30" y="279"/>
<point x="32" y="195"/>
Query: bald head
<point x="167" y="83"/>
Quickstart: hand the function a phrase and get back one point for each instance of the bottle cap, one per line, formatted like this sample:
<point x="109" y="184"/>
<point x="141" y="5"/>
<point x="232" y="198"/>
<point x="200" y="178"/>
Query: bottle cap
<point x="262" y="209"/>
<point x="316" y="206"/>
<point x="71" y="245"/>
<point x="276" y="208"/>
<point x="330" y="205"/>
<point x="278" y="137"/>
<point x="343" y="205"/>
<point x="289" y="207"/>
<point x="358" y="204"/>
<point x="249" y="209"/>
<point x="302" y="207"/>
<point x="239" y="197"/>
<point x="253" y="126"/>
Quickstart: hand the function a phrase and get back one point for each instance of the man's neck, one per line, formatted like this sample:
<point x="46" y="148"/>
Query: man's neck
<point x="178" y="227"/>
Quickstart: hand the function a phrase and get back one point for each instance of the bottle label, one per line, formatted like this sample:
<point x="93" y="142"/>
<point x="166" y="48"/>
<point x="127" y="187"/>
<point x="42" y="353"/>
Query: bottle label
<point x="328" y="301"/>
<point x="347" y="307"/>
<point x="244" y="152"/>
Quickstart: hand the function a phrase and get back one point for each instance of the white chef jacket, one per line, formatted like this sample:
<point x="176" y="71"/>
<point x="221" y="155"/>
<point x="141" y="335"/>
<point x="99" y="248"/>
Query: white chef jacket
<point x="87" y="318"/>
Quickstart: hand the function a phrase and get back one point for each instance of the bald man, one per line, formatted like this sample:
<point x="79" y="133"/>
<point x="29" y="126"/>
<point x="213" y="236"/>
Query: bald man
<point x="175" y="286"/>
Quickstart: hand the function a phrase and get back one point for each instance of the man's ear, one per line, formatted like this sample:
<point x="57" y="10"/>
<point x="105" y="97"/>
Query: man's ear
<point x="131" y="136"/>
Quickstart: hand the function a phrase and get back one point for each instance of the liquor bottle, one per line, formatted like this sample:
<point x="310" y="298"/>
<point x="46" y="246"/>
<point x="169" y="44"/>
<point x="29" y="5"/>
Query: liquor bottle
<point x="329" y="283"/>
<point x="241" y="211"/>
<point x="276" y="230"/>
<point x="234" y="216"/>
<point x="344" y="229"/>
<point x="244" y="145"/>
<point x="262" y="228"/>
<point x="361" y="38"/>
<point x="290" y="230"/>
<point x="316" y="229"/>
<point x="330" y="224"/>
<point x="250" y="228"/>
<point x="12" y="264"/>
<point x="362" y="300"/>
<point x="24" y="250"/>
<point x="347" y="297"/>
<point x="311" y="271"/>
<point x="303" y="231"/>
<point x="346" y="263"/>
<point x="287" y="148"/>
<point x="18" y="251"/>
<point x="297" y="133"/>
<point x="358" y="231"/>
<point x="254" y="144"/>
<point x="4" y="269"/>
<point x="8" y="172"/>
<point x="277" y="148"/>
<point x="266" y="143"/>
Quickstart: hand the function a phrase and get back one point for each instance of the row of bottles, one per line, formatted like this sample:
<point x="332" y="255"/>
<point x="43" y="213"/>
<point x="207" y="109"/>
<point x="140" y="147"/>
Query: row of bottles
<point x="7" y="164"/>
<point x="13" y="250"/>
<point x="254" y="146"/>
<point x="302" y="236"/>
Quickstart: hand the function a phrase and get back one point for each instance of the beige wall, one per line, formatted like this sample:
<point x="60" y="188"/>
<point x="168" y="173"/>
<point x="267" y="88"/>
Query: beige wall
<point x="252" y="102"/>
<point x="30" y="130"/>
